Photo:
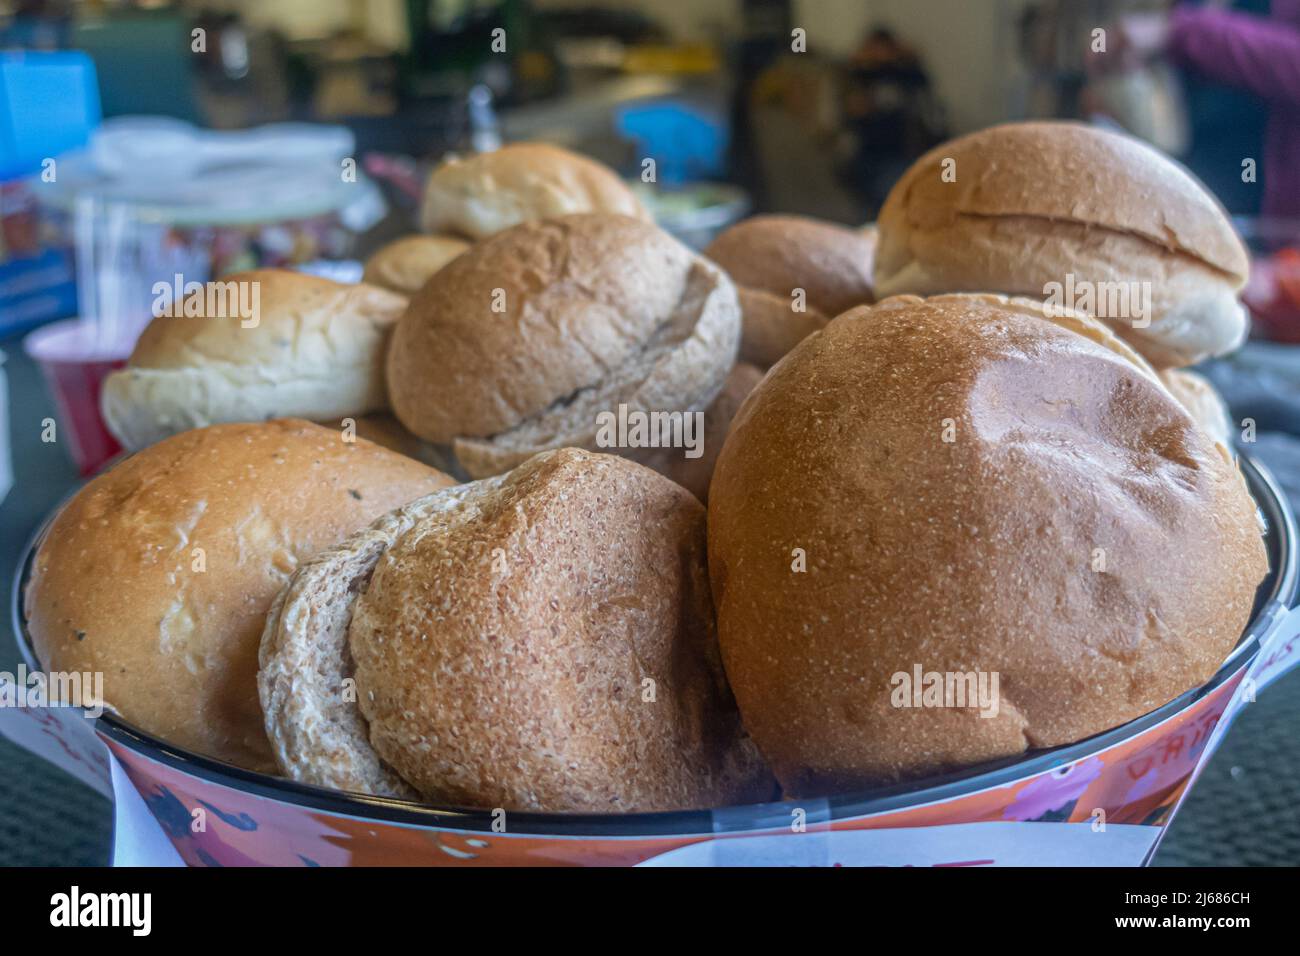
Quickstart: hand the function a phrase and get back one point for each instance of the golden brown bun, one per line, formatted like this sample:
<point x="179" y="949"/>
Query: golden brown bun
<point x="477" y="196"/>
<point x="314" y="349"/>
<point x="116" y="585"/>
<point x="1035" y="202"/>
<point x="593" y="312"/>
<point x="1079" y="536"/>
<point x="503" y="634"/>
<point x="1202" y="401"/>
<point x="769" y="257"/>
<point x="694" y="474"/>
<point x="404" y="265"/>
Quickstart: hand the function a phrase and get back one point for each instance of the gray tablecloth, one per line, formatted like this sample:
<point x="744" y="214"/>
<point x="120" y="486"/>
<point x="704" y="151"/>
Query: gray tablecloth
<point x="1245" y="809"/>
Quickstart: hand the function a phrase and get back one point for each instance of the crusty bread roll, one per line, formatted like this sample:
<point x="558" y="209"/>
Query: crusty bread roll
<point x="159" y="572"/>
<point x="965" y="485"/>
<point x="476" y="196"/>
<point x="542" y="640"/>
<point x="1202" y="401"/>
<point x="404" y="265"/>
<point x="772" y="258"/>
<point x="1037" y="203"/>
<point x="694" y="474"/>
<point x="521" y="343"/>
<point x="314" y="350"/>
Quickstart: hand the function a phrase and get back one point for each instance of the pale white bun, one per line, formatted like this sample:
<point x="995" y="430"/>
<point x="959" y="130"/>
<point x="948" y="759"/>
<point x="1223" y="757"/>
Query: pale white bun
<point x="159" y="573"/>
<point x="404" y="265"/>
<point x="1033" y="204"/>
<point x="315" y="350"/>
<point x="477" y="196"/>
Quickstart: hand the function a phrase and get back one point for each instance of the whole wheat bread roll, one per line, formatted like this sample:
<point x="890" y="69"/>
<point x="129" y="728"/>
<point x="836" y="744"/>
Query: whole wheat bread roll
<point x="793" y="274"/>
<point x="966" y="485"/>
<point x="694" y="474"/>
<point x="314" y="349"/>
<point x="541" y="640"/>
<point x="477" y="196"/>
<point x="1018" y="207"/>
<point x="159" y="572"/>
<point x="522" y="343"/>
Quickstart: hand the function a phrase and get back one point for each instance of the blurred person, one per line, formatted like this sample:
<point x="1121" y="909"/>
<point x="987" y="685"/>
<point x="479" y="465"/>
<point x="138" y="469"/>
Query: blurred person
<point x="891" y="111"/>
<point x="1242" y="64"/>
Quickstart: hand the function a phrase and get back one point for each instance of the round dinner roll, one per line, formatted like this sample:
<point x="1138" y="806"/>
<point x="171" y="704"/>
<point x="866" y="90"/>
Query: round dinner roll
<point x="405" y="264"/>
<point x="793" y="275"/>
<point x="476" y="196"/>
<point x="159" y="572"/>
<point x="1202" y="401"/>
<point x="532" y="337"/>
<point x="970" y="487"/>
<point x="264" y="344"/>
<point x="694" y="474"/>
<point x="543" y="640"/>
<point x="1076" y="215"/>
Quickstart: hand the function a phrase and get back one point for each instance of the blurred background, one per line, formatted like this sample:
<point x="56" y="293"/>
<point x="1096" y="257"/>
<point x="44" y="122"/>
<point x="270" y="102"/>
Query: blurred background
<point x="139" y="140"/>
<point x="745" y="105"/>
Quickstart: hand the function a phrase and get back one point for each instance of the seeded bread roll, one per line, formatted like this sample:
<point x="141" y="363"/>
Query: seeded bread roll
<point x="541" y="640"/>
<point x="521" y="343"/>
<point x="404" y="265"/>
<point x="313" y="349"/>
<point x="793" y="274"/>
<point x="1018" y="207"/>
<point x="970" y="486"/>
<point x="159" y="572"/>
<point x="477" y="196"/>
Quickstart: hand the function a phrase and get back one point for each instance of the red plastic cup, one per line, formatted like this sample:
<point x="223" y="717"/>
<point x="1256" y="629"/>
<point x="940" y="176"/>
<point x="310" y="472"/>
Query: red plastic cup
<point x="75" y="366"/>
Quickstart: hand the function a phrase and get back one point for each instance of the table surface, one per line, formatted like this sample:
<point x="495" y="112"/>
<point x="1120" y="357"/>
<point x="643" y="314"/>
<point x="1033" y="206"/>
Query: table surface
<point x="1244" y="811"/>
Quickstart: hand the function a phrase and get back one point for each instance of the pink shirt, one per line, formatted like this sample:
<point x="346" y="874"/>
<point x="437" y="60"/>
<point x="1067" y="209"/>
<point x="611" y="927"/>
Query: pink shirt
<point x="1262" y="55"/>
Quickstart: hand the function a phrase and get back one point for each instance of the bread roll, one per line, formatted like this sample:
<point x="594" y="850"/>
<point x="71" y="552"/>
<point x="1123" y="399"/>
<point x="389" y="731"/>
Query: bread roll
<point x="1020" y="207"/>
<point x="477" y="196"/>
<point x="1202" y="401"/>
<point x="404" y="265"/>
<point x="542" y="640"/>
<point x="314" y="349"/>
<point x="520" y="344"/>
<point x="965" y="485"/>
<point x="694" y="474"/>
<point x="793" y="274"/>
<point x="159" y="572"/>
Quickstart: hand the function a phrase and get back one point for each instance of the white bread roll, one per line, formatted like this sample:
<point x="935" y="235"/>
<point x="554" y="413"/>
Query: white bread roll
<point x="159" y="573"/>
<point x="315" y="350"/>
<point x="404" y="265"/>
<point x="1034" y="204"/>
<point x="479" y="195"/>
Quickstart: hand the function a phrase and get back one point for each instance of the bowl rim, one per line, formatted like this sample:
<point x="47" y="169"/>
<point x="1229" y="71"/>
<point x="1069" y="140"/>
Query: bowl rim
<point x="1276" y="594"/>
